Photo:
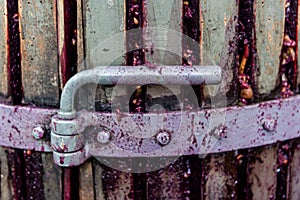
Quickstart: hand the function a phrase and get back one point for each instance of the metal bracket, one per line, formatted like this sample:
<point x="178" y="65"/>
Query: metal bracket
<point x="65" y="130"/>
<point x="92" y="134"/>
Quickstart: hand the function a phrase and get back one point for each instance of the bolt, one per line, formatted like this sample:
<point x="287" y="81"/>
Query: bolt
<point x="163" y="138"/>
<point x="103" y="137"/>
<point x="219" y="132"/>
<point x="38" y="132"/>
<point x="270" y="125"/>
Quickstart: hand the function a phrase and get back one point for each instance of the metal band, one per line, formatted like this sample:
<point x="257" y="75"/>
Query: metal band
<point x="244" y="127"/>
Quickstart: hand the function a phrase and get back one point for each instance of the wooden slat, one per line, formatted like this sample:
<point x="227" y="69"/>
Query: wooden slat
<point x="6" y="182"/>
<point x="163" y="15"/>
<point x="111" y="183"/>
<point x="220" y="171"/>
<point x="294" y="192"/>
<point x="101" y="22"/>
<point x="39" y="51"/>
<point x="51" y="178"/>
<point x="4" y="51"/>
<point x="218" y="42"/>
<point x="269" y="26"/>
<point x="263" y="174"/>
<point x="86" y="187"/>
<point x="166" y="182"/>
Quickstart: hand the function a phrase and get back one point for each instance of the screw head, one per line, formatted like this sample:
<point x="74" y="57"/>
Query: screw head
<point x="163" y="138"/>
<point x="103" y="137"/>
<point x="270" y="125"/>
<point x="38" y="132"/>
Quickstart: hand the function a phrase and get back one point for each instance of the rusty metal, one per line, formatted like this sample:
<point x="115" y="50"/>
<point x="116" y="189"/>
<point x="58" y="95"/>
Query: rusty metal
<point x="243" y="127"/>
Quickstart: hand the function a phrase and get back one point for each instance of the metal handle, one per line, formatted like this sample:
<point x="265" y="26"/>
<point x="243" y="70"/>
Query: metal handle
<point x="136" y="75"/>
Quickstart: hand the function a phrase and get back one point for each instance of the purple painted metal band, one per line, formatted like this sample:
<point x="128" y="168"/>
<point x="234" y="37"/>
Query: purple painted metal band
<point x="191" y="132"/>
<point x="17" y="124"/>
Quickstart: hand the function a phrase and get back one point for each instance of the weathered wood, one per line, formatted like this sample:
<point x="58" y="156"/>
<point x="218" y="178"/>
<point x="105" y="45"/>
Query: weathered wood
<point x="39" y="52"/>
<point x="294" y="192"/>
<point x="111" y="183"/>
<point x="263" y="176"/>
<point x="4" y="50"/>
<point x="163" y="15"/>
<point x="101" y="22"/>
<point x="162" y="31"/>
<point x="86" y="187"/>
<point x="166" y="182"/>
<point x="34" y="175"/>
<point x="218" y="42"/>
<point x="6" y="182"/>
<point x="221" y="176"/>
<point x="97" y="175"/>
<point x="51" y="178"/>
<point x="269" y="27"/>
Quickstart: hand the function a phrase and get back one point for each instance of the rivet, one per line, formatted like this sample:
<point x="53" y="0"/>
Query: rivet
<point x="103" y="137"/>
<point x="219" y="132"/>
<point x="163" y="138"/>
<point x="38" y="132"/>
<point x="270" y="125"/>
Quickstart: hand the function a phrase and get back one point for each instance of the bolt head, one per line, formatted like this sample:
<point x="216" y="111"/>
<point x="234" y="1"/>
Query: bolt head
<point x="163" y="138"/>
<point x="270" y="125"/>
<point x="38" y="132"/>
<point x="103" y="137"/>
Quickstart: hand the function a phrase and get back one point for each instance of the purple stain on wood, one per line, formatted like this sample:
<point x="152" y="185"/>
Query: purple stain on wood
<point x="34" y="175"/>
<point x="69" y="51"/>
<point x="14" y="53"/>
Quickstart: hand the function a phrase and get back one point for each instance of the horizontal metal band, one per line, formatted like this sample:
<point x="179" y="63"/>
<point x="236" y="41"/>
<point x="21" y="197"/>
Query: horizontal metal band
<point x="206" y="131"/>
<point x="18" y="123"/>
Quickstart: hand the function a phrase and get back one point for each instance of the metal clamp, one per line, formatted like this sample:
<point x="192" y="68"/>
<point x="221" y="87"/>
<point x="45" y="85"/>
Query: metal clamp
<point x="67" y="138"/>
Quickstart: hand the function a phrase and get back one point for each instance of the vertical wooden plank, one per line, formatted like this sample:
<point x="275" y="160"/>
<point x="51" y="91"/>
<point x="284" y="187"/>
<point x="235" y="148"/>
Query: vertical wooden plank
<point x="39" y="52"/>
<point x="111" y="183"/>
<point x="6" y="182"/>
<point x="220" y="174"/>
<point x="269" y="27"/>
<point x="262" y="176"/>
<point x="161" y="15"/>
<point x="4" y="50"/>
<point x="102" y="22"/>
<point x="51" y="178"/>
<point x="218" y="42"/>
<point x="86" y="187"/>
<point x="295" y="169"/>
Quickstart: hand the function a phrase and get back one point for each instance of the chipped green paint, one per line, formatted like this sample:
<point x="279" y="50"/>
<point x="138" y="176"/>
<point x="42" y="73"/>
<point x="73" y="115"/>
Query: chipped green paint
<point x="163" y="15"/>
<point x="218" y="43"/>
<point x="102" y="21"/>
<point x="269" y="27"/>
<point x="39" y="52"/>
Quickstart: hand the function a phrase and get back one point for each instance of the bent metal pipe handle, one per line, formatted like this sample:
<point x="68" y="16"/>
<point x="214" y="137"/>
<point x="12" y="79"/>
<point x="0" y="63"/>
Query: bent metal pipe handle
<point x="136" y="75"/>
